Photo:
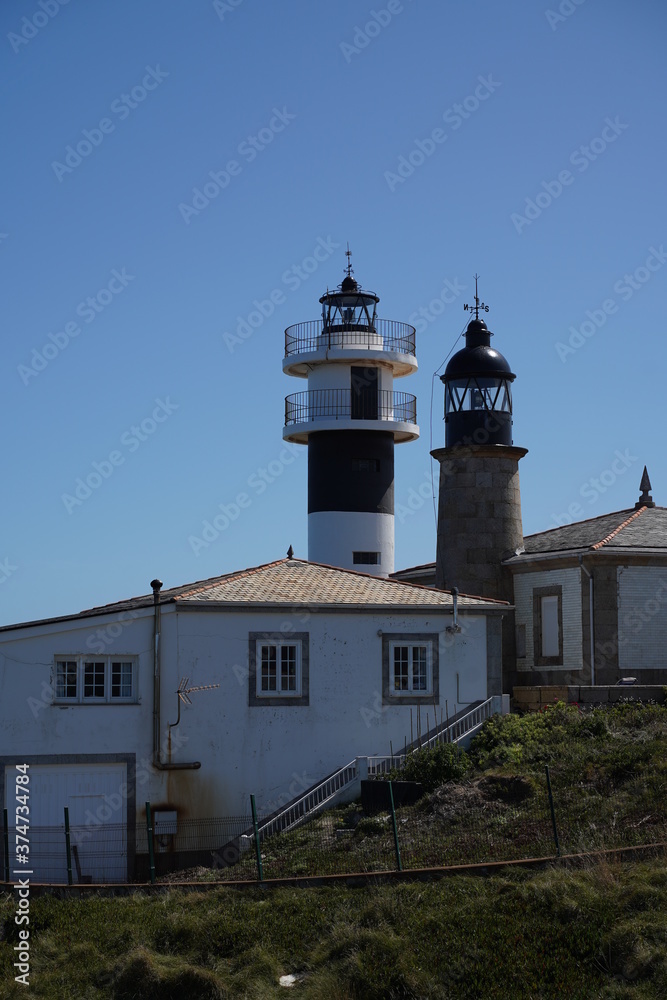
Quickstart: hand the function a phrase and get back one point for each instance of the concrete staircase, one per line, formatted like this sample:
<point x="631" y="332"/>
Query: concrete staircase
<point x="344" y="785"/>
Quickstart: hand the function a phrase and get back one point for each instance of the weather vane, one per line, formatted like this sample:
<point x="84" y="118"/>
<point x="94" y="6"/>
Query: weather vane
<point x="478" y="305"/>
<point x="348" y="254"/>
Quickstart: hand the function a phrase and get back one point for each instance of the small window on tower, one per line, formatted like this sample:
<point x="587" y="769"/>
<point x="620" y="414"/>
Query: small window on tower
<point x="366" y="558"/>
<point x="365" y="464"/>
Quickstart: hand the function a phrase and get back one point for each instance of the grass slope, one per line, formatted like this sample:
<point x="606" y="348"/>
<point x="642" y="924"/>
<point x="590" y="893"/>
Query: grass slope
<point x="594" y="933"/>
<point x="557" y="933"/>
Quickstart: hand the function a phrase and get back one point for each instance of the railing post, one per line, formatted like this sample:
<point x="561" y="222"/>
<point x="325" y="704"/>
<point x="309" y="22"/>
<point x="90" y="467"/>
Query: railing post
<point x="6" y="838"/>
<point x="551" y="807"/>
<point x="258" y="852"/>
<point x="149" y="832"/>
<point x="68" y="848"/>
<point x="393" y="822"/>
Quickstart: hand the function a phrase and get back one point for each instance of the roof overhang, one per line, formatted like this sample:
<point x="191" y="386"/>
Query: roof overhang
<point x="493" y="608"/>
<point x="530" y="561"/>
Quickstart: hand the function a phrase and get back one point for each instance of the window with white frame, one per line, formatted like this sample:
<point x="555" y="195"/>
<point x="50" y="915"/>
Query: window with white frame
<point x="410" y="666"/>
<point x="278" y="673"/>
<point x="548" y="626"/>
<point x="550" y="645"/>
<point x="279" y="668"/>
<point x="410" y="671"/>
<point x="95" y="680"/>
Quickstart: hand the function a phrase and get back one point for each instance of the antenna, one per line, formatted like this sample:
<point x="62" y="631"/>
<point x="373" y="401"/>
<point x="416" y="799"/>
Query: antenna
<point x="478" y="305"/>
<point x="184" y="692"/>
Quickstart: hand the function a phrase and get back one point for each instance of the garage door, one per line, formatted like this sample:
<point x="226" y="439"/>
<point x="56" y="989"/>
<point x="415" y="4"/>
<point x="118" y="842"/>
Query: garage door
<point x="97" y="807"/>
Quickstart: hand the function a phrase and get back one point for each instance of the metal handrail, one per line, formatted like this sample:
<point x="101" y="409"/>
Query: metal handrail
<point x="315" y="798"/>
<point x="451" y="733"/>
<point x="384" y="335"/>
<point x="309" y="802"/>
<point x="313" y="404"/>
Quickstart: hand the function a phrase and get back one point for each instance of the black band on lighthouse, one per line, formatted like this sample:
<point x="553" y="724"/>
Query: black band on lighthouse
<point x="351" y="471"/>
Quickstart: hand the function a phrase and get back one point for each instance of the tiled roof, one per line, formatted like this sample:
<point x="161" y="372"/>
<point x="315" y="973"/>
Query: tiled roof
<point x="645" y="528"/>
<point x="295" y="581"/>
<point x="289" y="582"/>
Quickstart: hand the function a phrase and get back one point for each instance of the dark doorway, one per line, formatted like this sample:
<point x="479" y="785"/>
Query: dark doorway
<point x="364" y="394"/>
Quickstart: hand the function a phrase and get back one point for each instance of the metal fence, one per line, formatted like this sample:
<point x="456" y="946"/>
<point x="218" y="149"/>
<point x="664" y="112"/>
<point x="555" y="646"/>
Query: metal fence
<point x="344" y="404"/>
<point x="485" y="819"/>
<point x="384" y="335"/>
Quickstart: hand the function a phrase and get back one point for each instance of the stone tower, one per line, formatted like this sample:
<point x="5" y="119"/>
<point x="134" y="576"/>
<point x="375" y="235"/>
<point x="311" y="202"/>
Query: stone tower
<point x="479" y="515"/>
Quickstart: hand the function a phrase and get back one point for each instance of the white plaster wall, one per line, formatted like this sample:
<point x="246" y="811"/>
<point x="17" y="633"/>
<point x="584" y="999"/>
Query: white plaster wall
<point x="642" y="617"/>
<point x="273" y="752"/>
<point x="333" y="535"/>
<point x="336" y="375"/>
<point x="263" y="749"/>
<point x="29" y="721"/>
<point x="570" y="580"/>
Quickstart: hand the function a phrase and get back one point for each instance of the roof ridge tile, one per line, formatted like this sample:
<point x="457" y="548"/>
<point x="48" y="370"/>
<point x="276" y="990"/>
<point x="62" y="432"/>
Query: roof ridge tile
<point x="215" y="581"/>
<point x="635" y="514"/>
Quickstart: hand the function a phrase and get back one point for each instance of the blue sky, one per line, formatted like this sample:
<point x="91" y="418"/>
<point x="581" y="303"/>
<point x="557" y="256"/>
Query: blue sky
<point x="531" y="142"/>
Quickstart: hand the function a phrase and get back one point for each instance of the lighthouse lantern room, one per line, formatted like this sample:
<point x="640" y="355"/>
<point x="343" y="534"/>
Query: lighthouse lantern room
<point x="350" y="417"/>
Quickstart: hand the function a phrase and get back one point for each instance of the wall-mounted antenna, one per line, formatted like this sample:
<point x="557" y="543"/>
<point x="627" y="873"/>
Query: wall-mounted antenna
<point x="184" y="693"/>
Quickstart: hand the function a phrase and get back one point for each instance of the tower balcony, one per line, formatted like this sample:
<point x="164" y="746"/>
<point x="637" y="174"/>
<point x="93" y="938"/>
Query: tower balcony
<point x="343" y="409"/>
<point x="315" y="342"/>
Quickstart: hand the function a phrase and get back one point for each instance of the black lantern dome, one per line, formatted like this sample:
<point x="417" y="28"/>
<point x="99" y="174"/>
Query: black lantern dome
<point x="478" y="397"/>
<point x="349" y="307"/>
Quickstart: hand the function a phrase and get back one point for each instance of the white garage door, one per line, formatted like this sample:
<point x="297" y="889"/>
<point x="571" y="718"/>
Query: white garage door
<point x="97" y="807"/>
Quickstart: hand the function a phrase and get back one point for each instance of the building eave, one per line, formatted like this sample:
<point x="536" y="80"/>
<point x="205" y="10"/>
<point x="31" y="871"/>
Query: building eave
<point x="497" y="607"/>
<point x="613" y="553"/>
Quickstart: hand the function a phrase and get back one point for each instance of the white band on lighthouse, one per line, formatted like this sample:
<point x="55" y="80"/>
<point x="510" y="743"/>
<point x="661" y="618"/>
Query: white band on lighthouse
<point x="339" y="537"/>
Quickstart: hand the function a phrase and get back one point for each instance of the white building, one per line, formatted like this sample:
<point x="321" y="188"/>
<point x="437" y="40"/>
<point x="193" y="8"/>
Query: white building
<point x="314" y="666"/>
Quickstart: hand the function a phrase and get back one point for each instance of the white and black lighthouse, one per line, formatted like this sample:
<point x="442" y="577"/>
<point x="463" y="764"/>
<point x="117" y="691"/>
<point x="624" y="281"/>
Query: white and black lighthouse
<point x="350" y="417"/>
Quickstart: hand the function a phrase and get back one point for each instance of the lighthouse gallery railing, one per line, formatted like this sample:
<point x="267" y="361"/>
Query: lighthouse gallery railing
<point x="315" y="335"/>
<point x="343" y="404"/>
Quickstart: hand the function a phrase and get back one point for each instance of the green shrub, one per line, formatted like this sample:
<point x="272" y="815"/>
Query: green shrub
<point x="615" y="742"/>
<point x="434" y="766"/>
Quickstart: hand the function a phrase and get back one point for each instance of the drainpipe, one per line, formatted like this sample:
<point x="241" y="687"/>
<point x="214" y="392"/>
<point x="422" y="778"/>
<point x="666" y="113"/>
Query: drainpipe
<point x="590" y="614"/>
<point x="454" y="627"/>
<point x="157" y="763"/>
